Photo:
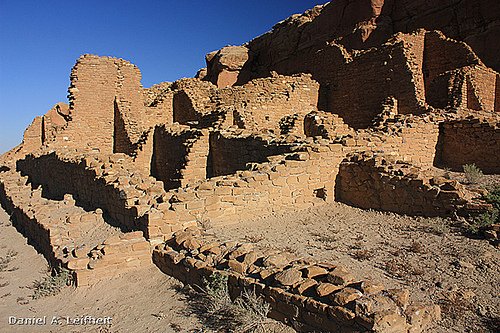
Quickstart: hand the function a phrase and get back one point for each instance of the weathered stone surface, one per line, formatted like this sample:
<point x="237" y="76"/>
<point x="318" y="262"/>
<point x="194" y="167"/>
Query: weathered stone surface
<point x="340" y="276"/>
<point x="224" y="66"/>
<point x="345" y="296"/>
<point x="315" y="271"/>
<point x="276" y="260"/>
<point x="422" y="316"/>
<point x="237" y="266"/>
<point x="288" y="277"/>
<point x="325" y="289"/>
<point x="306" y="285"/>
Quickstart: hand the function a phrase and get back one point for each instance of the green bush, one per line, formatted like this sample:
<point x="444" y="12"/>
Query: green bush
<point x="472" y="173"/>
<point x="53" y="283"/>
<point x="491" y="217"/>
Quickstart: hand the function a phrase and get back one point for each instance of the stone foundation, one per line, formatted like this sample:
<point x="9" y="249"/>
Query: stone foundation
<point x="310" y="296"/>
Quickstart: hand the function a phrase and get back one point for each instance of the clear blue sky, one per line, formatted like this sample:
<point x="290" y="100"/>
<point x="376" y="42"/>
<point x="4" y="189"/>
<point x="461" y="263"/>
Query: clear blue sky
<point x="40" y="41"/>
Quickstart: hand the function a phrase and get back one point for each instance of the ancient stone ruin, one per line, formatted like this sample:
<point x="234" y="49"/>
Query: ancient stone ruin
<point x="354" y="101"/>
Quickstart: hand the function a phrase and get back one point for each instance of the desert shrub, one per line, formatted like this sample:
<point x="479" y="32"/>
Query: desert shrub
<point x="488" y="218"/>
<point x="6" y="260"/>
<point x="248" y="312"/>
<point x="362" y="255"/>
<point x="52" y="283"/>
<point x="217" y="294"/>
<point x="447" y="173"/>
<point x="472" y="173"/>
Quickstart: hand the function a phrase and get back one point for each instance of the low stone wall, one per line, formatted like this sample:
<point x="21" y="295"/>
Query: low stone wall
<point x="326" y="125"/>
<point x="70" y="237"/>
<point x="411" y="138"/>
<point x="129" y="198"/>
<point x="300" y="180"/>
<point x="470" y="141"/>
<point x="311" y="296"/>
<point x="384" y="184"/>
<point x="93" y="184"/>
<point x="114" y="256"/>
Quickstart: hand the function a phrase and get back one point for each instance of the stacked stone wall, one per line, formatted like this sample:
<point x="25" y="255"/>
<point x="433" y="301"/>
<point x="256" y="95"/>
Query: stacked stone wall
<point x="310" y="296"/>
<point x="232" y="151"/>
<point x="259" y="104"/>
<point x="173" y="151"/>
<point x="158" y="101"/>
<point x="69" y="236"/>
<point x="379" y="183"/>
<point x="94" y="183"/>
<point x="361" y="86"/>
<point x="471" y="141"/>
<point x="300" y="180"/>
<point x="100" y="88"/>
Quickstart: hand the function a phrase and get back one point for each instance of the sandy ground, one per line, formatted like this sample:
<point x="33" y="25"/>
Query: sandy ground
<point x="428" y="256"/>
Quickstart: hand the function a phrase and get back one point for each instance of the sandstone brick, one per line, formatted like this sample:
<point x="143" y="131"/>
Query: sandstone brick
<point x="345" y="296"/>
<point x="289" y="277"/>
<point x="325" y="289"/>
<point x="78" y="264"/>
<point x="340" y="276"/>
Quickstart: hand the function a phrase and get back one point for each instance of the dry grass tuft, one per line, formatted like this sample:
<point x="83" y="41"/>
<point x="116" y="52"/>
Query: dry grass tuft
<point x="52" y="283"/>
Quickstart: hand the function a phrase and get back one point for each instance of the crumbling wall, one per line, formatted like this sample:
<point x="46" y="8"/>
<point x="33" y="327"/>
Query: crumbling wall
<point x="69" y="236"/>
<point x="263" y="103"/>
<point x="443" y="54"/>
<point x="481" y="88"/>
<point x="469" y="141"/>
<point x="259" y="104"/>
<point x="299" y="180"/>
<point x="192" y="100"/>
<point x="33" y="135"/>
<point x="312" y="296"/>
<point x="455" y="76"/>
<point x="94" y="183"/>
<point x="232" y="151"/>
<point x="378" y="183"/>
<point x="326" y="125"/>
<point x="412" y="138"/>
<point x="102" y="87"/>
<point x="179" y="155"/>
<point x="158" y="101"/>
<point x="361" y="87"/>
<point x="46" y="128"/>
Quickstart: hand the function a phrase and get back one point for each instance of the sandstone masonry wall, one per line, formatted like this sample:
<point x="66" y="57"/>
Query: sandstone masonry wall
<point x="179" y="156"/>
<point x="231" y="151"/>
<point x="470" y="142"/>
<point x="310" y="296"/>
<point x="301" y="180"/>
<point x="362" y="86"/>
<point x="69" y="236"/>
<point x="377" y="183"/>
<point x="259" y="104"/>
<point x="101" y="88"/>
<point x="158" y="101"/>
